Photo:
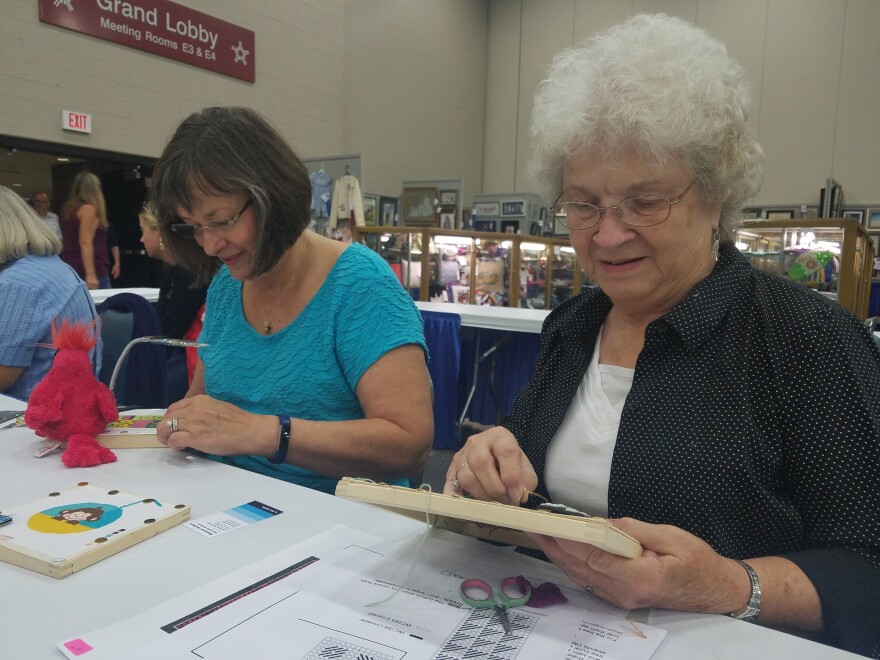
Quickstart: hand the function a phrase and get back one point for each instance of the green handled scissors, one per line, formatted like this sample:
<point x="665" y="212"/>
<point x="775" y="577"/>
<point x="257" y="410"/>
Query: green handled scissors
<point x="479" y="595"/>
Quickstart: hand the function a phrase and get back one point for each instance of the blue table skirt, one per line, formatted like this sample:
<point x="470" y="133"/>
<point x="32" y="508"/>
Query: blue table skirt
<point x="874" y="301"/>
<point x="452" y="348"/>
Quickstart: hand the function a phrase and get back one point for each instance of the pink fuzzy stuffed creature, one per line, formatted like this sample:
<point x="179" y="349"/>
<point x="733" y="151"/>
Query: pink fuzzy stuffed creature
<point x="70" y="403"/>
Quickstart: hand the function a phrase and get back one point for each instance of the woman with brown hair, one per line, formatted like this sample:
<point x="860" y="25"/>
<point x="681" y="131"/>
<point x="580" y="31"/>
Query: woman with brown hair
<point x="84" y="231"/>
<point x="314" y="359"/>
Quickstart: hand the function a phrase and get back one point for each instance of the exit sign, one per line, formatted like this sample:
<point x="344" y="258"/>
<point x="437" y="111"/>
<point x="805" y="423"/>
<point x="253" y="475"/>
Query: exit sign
<point x="76" y="121"/>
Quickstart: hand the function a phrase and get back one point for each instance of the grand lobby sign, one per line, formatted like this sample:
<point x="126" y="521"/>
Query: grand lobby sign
<point x="160" y="27"/>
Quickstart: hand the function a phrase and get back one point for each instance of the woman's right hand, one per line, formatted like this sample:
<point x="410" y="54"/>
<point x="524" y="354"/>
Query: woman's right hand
<point x="491" y="466"/>
<point x="92" y="283"/>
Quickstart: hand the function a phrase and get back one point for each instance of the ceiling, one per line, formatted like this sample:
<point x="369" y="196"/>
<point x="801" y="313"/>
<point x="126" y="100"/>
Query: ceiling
<point x="27" y="172"/>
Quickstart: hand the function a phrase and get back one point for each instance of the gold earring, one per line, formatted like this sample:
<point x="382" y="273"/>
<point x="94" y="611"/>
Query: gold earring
<point x="161" y="244"/>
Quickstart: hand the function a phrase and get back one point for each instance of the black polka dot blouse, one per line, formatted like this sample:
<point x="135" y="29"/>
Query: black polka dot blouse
<point x="753" y="422"/>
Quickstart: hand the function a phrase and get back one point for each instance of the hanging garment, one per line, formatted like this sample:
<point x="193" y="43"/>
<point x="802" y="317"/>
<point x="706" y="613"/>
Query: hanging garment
<point x="348" y="203"/>
<point x="321" y="195"/>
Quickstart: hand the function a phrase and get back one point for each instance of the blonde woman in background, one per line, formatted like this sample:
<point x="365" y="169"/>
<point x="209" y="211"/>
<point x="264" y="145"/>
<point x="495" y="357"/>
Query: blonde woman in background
<point x="84" y="231"/>
<point x="36" y="288"/>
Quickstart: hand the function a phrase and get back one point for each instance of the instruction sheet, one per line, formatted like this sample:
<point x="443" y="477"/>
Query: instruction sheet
<point x="346" y="594"/>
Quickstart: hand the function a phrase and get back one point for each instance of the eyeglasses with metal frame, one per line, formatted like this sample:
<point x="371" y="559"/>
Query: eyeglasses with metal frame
<point x="637" y="211"/>
<point x="187" y="230"/>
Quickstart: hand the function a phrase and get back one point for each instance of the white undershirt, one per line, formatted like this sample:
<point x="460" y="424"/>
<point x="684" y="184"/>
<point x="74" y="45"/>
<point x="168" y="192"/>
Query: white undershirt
<point x="578" y="466"/>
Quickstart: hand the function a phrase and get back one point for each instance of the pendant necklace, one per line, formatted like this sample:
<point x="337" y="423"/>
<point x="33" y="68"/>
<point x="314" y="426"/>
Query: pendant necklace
<point x="267" y="324"/>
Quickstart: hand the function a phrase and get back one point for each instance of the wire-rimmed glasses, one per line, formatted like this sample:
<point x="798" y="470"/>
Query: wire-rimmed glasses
<point x="637" y="211"/>
<point x="192" y="231"/>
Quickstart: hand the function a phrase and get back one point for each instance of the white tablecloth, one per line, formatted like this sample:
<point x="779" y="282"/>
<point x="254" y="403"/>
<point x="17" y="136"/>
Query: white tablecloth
<point x="494" y="318"/>
<point x="100" y="295"/>
<point x="38" y="611"/>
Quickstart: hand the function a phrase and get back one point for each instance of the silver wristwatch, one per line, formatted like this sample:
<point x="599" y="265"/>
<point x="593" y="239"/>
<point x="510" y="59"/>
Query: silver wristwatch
<point x="754" y="606"/>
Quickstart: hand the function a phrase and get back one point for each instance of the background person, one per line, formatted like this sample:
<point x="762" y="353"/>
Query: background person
<point x="720" y="413"/>
<point x="310" y="340"/>
<point x="113" y="244"/>
<point x="181" y="303"/>
<point x="84" y="231"/>
<point x="36" y="288"/>
<point x="41" y="204"/>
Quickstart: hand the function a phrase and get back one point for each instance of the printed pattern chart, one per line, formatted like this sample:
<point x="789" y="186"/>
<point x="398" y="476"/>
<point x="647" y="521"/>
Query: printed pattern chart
<point x="330" y="647"/>
<point x="481" y="635"/>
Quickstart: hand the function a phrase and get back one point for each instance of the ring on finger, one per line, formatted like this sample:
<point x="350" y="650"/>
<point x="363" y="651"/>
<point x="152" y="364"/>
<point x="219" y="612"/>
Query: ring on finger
<point x="589" y="589"/>
<point x="173" y="425"/>
<point x="456" y="484"/>
<point x="460" y="468"/>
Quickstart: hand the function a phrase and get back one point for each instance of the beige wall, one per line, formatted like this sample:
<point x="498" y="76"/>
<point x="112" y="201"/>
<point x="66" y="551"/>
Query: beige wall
<point x="414" y="90"/>
<point x="401" y="82"/>
<point x="814" y="66"/>
<point x="442" y="89"/>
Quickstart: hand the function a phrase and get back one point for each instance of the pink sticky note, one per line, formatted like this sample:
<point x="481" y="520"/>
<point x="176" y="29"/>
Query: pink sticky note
<point x="77" y="647"/>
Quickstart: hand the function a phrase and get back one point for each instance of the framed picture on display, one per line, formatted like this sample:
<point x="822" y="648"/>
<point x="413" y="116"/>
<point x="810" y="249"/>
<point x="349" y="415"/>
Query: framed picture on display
<point x="419" y="207"/>
<point x="751" y="214"/>
<point x="836" y="201"/>
<point x="371" y="210"/>
<point x="487" y="209"/>
<point x="510" y="226"/>
<point x="780" y="214"/>
<point x="485" y="225"/>
<point x="872" y="218"/>
<point x="464" y="220"/>
<point x="515" y="208"/>
<point x="855" y="214"/>
<point x="447" y="220"/>
<point x="459" y="293"/>
<point x="875" y="242"/>
<point x="448" y="198"/>
<point x="388" y="211"/>
<point x="831" y="199"/>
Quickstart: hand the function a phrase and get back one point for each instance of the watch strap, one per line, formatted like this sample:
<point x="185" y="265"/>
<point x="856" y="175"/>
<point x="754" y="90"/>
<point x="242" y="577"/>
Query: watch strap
<point x="753" y="608"/>
<point x="283" y="440"/>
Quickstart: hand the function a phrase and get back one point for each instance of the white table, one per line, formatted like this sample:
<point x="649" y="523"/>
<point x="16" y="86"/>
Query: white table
<point x="514" y="319"/>
<point x="37" y="611"/>
<point x="100" y="295"/>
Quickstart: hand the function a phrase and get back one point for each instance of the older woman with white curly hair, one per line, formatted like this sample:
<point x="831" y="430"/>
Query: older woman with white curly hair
<point x="726" y="418"/>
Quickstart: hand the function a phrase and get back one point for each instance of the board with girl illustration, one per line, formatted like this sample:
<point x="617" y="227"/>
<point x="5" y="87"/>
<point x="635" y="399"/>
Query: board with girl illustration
<point x="69" y="530"/>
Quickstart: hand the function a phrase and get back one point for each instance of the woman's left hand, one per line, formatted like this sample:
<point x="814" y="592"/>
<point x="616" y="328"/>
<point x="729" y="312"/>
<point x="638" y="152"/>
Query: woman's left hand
<point x="677" y="570"/>
<point x="215" y="427"/>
